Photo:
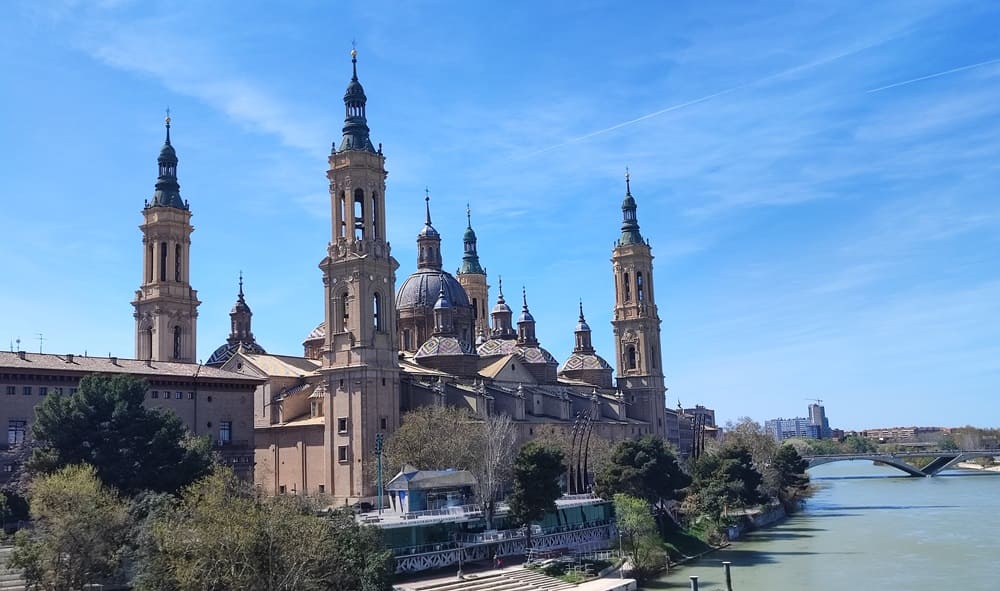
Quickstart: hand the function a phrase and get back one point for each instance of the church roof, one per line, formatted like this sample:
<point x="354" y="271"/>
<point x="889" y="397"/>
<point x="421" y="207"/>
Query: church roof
<point x="224" y="352"/>
<point x="443" y="346"/>
<point x="421" y="290"/>
<point x="83" y="364"/>
<point x="585" y="361"/>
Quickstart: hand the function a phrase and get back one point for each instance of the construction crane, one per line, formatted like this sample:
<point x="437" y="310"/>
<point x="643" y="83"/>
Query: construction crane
<point x="818" y="401"/>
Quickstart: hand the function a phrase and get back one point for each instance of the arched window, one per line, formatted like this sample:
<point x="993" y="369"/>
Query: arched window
<point x="343" y="215"/>
<point x="375" y="216"/>
<point x="346" y="316"/>
<point x="163" y="261"/>
<point x="638" y="286"/>
<point x="177" y="263"/>
<point x="147" y="343"/>
<point x="627" y="288"/>
<point x="177" y="342"/>
<point x="652" y="358"/>
<point x="475" y="308"/>
<point x="149" y="265"/>
<point x="406" y="339"/>
<point x="359" y="214"/>
<point x="377" y="311"/>
<point x="630" y="358"/>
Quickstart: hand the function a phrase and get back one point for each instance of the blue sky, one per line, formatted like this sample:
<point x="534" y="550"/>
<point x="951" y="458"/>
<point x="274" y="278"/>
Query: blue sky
<point x="818" y="180"/>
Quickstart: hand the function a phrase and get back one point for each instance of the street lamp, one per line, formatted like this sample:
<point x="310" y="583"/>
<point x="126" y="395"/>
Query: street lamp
<point x="460" y="552"/>
<point x="621" y="555"/>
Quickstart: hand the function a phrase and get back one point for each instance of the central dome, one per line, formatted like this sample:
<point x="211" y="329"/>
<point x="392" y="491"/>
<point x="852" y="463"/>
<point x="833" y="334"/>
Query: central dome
<point x="421" y="290"/>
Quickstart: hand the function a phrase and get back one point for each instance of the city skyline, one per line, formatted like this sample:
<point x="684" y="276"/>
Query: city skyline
<point x="818" y="201"/>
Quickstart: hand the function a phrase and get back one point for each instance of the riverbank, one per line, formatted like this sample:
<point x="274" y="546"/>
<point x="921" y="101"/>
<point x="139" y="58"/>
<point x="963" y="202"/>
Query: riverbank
<point x="977" y="467"/>
<point x="866" y="526"/>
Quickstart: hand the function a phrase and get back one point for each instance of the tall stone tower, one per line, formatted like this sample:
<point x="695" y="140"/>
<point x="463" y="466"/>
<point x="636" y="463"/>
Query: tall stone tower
<point x="636" y="322"/>
<point x="472" y="276"/>
<point x="359" y="275"/>
<point x="166" y="307"/>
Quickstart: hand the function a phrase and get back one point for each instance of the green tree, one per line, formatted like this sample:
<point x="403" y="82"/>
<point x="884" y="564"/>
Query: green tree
<point x="725" y="481"/>
<point x="947" y="443"/>
<point x="857" y="445"/>
<point x="131" y="447"/>
<point x="786" y="479"/>
<point x="640" y="535"/>
<point x="80" y="534"/>
<point x="537" y="469"/>
<point x="646" y="468"/>
<point x="219" y="537"/>
<point x="433" y="438"/>
<point x="752" y="436"/>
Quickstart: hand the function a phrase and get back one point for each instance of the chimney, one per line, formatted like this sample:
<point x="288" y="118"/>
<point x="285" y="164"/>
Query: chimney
<point x="114" y="360"/>
<point x="21" y="354"/>
<point x="69" y="358"/>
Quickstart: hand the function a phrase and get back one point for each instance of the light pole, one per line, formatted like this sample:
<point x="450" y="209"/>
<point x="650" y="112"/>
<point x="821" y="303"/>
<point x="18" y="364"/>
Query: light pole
<point x="378" y="470"/>
<point x="460" y="552"/>
<point x="621" y="554"/>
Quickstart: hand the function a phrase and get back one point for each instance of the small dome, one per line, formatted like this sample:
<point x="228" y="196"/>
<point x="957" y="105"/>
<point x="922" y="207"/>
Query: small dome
<point x="443" y="346"/>
<point x="535" y="355"/>
<point x="168" y="154"/>
<point x="470" y="235"/>
<point x="226" y="352"/>
<point x="428" y="231"/>
<point x="354" y="90"/>
<point x="501" y="307"/>
<point x="421" y="290"/>
<point x="582" y="326"/>
<point x="318" y="333"/>
<point x="525" y="317"/>
<point x="585" y="361"/>
<point x="442" y="302"/>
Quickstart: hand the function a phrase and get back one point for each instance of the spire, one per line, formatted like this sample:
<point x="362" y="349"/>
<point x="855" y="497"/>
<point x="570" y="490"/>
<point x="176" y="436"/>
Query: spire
<point x="355" y="120"/>
<point x="428" y="240"/>
<point x="443" y="322"/>
<point x="630" y="224"/>
<point x="525" y="322"/>
<point x="240" y="317"/>
<point x="502" y="315"/>
<point x="168" y="191"/>
<point x="470" y="257"/>
<point x="582" y="333"/>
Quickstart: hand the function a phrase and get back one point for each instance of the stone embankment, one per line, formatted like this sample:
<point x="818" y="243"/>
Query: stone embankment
<point x="514" y="579"/>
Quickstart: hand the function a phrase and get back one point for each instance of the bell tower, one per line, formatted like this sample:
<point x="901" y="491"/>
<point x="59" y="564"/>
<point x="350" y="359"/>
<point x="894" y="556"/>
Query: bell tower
<point x="359" y="276"/>
<point x="166" y="307"/>
<point x="472" y="276"/>
<point x="636" y="322"/>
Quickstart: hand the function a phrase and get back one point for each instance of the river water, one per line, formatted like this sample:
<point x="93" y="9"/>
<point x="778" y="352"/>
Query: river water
<point x="869" y="527"/>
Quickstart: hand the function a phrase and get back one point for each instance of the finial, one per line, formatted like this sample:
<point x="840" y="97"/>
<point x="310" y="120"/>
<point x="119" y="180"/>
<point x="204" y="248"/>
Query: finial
<point x="468" y="214"/>
<point x="524" y="297"/>
<point x="427" y="203"/>
<point x="581" y="309"/>
<point x="500" y="280"/>
<point x="628" y="177"/>
<point x="354" y="59"/>
<point x="241" y="284"/>
<point x="166" y="121"/>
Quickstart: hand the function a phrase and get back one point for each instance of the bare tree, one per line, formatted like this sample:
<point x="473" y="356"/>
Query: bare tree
<point x="493" y="467"/>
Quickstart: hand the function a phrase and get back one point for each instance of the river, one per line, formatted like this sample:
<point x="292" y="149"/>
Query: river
<point x="869" y="527"/>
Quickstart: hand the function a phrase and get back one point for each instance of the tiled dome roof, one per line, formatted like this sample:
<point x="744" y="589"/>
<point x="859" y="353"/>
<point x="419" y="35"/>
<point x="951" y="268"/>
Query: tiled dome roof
<point x="421" y="290"/>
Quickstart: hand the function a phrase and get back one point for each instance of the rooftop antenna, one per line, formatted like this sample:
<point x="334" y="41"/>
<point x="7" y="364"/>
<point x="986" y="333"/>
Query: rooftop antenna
<point x="41" y="339"/>
<point x="18" y="341"/>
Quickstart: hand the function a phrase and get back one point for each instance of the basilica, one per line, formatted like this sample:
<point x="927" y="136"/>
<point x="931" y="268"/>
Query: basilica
<point x="381" y="351"/>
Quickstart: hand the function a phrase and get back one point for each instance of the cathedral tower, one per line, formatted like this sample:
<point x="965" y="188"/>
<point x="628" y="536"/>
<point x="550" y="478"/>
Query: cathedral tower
<point x="359" y="354"/>
<point x="166" y="307"/>
<point x="472" y="276"/>
<point x="636" y="322"/>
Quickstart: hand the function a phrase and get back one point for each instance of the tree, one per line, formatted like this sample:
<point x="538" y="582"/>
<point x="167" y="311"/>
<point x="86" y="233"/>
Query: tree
<point x="219" y="537"/>
<point x="493" y="467"/>
<point x="536" y="485"/>
<point x="640" y="535"/>
<point x="433" y="438"/>
<point x="644" y="468"/>
<point x="725" y="481"/>
<point x="598" y="449"/>
<point x="786" y="477"/>
<point x="752" y="436"/>
<point x="104" y="424"/>
<point x="80" y="534"/>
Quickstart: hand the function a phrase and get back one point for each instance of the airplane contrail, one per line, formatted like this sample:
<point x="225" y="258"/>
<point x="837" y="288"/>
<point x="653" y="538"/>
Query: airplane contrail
<point x="929" y="76"/>
<point x="792" y="70"/>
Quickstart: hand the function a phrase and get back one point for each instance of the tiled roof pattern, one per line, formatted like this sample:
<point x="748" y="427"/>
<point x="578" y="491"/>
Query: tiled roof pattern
<point x="86" y="364"/>
<point x="585" y="361"/>
<point x="284" y="365"/>
<point x="442" y="346"/>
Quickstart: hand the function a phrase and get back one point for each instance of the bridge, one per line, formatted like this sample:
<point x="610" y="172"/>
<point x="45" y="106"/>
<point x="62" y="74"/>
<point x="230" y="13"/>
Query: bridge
<point x="941" y="459"/>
